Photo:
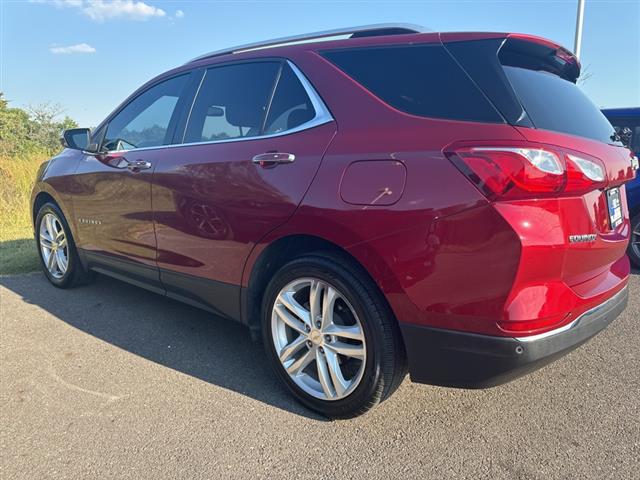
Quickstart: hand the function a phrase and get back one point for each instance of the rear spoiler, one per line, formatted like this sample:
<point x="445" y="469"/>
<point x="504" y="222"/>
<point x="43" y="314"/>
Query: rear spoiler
<point x="535" y="53"/>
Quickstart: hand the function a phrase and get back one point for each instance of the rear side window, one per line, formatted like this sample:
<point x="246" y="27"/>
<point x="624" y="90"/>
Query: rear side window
<point x="232" y="102"/>
<point x="144" y="122"/>
<point x="421" y="80"/>
<point x="290" y="106"/>
<point x="553" y="103"/>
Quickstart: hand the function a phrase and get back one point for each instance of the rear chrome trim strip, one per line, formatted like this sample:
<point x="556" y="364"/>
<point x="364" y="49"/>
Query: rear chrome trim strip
<point x="604" y="305"/>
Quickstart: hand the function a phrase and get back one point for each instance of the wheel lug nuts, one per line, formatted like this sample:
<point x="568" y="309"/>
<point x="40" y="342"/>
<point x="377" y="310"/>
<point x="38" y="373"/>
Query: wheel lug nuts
<point x="327" y="338"/>
<point x="309" y="343"/>
<point x="307" y="328"/>
<point x="318" y="324"/>
<point x="321" y="350"/>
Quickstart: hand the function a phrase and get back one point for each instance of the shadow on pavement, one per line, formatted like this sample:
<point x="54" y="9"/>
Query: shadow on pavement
<point x="191" y="341"/>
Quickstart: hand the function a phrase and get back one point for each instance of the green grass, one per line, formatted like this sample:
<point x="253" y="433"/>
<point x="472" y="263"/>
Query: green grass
<point x="18" y="256"/>
<point x="17" y="247"/>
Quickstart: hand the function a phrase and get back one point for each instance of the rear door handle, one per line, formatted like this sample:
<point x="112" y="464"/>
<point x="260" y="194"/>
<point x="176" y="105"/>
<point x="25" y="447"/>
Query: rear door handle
<point x="138" y="165"/>
<point x="271" y="159"/>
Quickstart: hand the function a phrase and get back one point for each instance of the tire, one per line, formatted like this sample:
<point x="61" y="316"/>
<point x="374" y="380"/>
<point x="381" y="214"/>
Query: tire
<point x="50" y="223"/>
<point x="633" y="250"/>
<point x="371" y="359"/>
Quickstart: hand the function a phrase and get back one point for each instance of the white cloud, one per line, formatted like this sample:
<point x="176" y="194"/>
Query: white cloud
<point x="60" y="3"/>
<point x="77" y="48"/>
<point x="101" y="10"/>
<point x="69" y="3"/>
<point x="179" y="14"/>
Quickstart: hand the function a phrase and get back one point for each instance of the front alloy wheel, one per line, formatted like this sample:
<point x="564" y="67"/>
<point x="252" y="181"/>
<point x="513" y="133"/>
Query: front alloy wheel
<point x="57" y="250"/>
<point x="318" y="338"/>
<point x="54" y="246"/>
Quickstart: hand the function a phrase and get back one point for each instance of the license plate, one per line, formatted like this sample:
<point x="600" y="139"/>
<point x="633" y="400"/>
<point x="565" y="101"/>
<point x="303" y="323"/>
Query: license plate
<point x="615" y="207"/>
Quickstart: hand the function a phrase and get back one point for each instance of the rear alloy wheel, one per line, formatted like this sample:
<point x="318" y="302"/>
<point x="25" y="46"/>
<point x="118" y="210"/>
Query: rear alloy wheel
<point x="319" y="338"/>
<point x="330" y="335"/>
<point x="634" y="242"/>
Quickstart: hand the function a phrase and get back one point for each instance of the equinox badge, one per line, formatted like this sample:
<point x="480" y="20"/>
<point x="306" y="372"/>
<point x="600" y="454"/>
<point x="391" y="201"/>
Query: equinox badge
<point x="589" y="237"/>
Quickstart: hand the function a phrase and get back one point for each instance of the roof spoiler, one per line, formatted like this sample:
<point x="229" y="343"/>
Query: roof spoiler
<point x="535" y="53"/>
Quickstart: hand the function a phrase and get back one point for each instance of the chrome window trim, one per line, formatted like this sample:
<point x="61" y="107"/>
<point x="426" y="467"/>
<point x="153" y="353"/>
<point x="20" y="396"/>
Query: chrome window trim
<point x="321" y="117"/>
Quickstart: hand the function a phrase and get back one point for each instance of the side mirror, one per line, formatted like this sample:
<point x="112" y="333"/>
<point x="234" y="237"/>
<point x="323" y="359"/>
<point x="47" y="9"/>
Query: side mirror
<point x="76" y="138"/>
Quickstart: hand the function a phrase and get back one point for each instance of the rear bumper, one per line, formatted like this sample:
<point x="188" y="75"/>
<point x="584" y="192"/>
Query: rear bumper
<point x="467" y="360"/>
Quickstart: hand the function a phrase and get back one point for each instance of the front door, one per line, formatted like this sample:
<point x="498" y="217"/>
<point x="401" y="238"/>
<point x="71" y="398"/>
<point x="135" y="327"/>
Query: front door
<point x="253" y="143"/>
<point x="112" y="202"/>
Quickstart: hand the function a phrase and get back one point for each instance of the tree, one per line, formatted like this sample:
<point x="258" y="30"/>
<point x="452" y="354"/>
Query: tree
<point x="35" y="129"/>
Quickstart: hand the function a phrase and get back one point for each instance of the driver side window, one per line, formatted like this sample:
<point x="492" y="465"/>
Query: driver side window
<point x="145" y="121"/>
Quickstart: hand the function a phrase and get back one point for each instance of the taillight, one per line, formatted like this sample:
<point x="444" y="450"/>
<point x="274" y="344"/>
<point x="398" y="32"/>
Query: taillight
<point x="509" y="173"/>
<point x="584" y="175"/>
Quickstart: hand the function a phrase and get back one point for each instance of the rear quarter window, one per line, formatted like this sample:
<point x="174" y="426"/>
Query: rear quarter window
<point x="422" y="80"/>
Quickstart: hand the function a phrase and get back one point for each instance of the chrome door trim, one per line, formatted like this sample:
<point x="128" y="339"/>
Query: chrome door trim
<point x="321" y="117"/>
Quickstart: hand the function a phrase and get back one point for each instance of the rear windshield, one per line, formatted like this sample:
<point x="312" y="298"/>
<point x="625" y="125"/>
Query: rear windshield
<point x="421" y="80"/>
<point x="553" y="103"/>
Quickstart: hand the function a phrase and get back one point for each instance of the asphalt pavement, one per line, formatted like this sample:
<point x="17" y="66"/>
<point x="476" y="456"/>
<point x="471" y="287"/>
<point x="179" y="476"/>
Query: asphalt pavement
<point x="110" y="381"/>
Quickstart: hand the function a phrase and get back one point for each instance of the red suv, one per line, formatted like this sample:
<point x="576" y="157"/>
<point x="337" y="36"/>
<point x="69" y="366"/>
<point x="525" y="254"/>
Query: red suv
<point x="384" y="200"/>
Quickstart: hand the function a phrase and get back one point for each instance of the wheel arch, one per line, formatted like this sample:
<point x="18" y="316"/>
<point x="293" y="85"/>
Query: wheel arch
<point x="39" y="200"/>
<point x="279" y="252"/>
<point x="46" y="193"/>
<point x="47" y="196"/>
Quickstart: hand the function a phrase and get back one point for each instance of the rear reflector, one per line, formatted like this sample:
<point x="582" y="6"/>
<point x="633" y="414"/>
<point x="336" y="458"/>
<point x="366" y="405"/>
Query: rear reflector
<point x="509" y="173"/>
<point x="532" y="327"/>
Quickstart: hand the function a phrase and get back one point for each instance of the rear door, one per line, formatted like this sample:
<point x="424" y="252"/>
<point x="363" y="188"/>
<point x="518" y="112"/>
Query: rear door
<point x="254" y="139"/>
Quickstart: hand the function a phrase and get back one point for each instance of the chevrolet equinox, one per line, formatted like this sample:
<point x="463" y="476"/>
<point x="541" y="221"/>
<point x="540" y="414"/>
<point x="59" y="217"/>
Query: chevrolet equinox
<point x="369" y="201"/>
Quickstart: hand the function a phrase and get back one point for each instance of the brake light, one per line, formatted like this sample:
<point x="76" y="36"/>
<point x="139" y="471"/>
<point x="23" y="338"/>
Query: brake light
<point x="509" y="173"/>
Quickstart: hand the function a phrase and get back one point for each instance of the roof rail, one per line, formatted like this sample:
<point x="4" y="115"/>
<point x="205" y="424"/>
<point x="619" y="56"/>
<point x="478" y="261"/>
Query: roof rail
<point x="377" y="29"/>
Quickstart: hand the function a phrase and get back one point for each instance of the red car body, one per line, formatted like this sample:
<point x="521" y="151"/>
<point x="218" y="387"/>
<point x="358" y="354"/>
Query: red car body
<point x="467" y="276"/>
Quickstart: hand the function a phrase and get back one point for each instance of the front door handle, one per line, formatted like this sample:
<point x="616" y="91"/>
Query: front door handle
<point x="138" y="165"/>
<point x="271" y="159"/>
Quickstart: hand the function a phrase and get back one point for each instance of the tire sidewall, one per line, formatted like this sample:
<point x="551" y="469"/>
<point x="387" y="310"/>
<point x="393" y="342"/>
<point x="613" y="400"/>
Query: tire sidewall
<point x="72" y="266"/>
<point x="342" y="280"/>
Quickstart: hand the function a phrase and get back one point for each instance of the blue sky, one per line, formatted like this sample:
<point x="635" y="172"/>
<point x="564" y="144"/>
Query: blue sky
<point x="88" y="55"/>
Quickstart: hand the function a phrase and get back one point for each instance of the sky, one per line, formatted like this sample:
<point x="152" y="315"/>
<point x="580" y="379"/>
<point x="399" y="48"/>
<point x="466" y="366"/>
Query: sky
<point x="89" y="55"/>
